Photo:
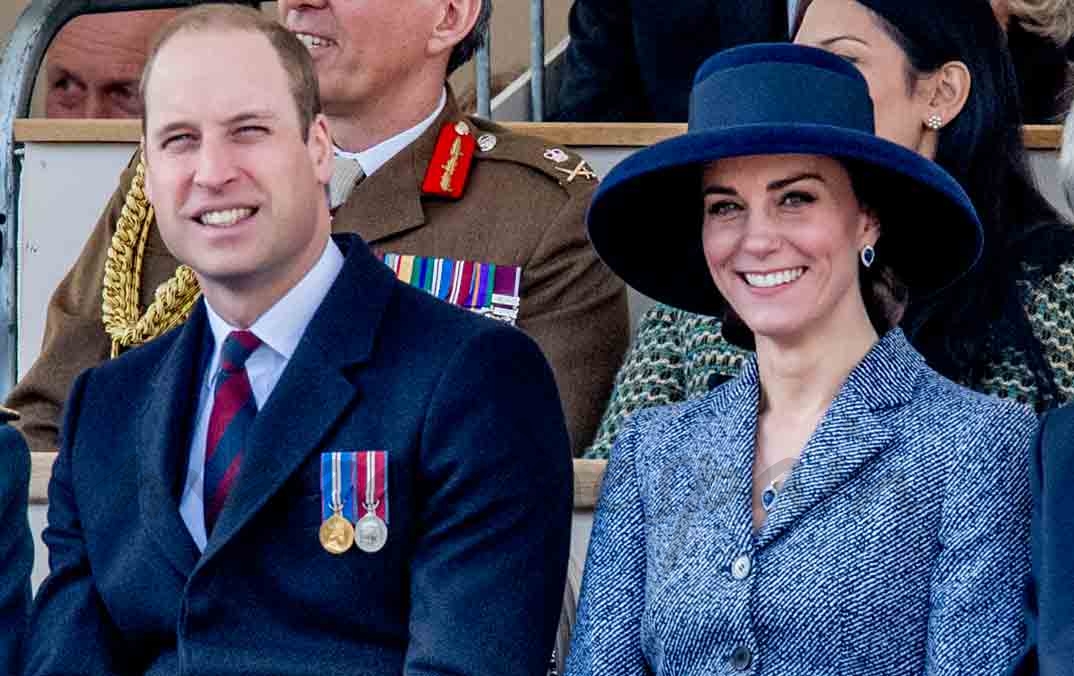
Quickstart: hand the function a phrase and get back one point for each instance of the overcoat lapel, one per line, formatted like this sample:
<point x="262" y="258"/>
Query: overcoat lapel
<point x="162" y="455"/>
<point x="313" y="392"/>
<point x="389" y="202"/>
<point x="851" y="433"/>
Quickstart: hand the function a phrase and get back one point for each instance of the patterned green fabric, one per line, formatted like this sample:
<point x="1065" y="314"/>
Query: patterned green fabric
<point x="677" y="355"/>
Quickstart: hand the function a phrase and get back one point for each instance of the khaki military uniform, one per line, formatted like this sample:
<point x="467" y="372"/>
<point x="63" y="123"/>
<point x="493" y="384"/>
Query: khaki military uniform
<point x="522" y="206"/>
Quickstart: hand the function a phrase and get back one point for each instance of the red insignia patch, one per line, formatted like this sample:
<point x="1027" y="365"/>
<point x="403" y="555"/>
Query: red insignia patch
<point x="450" y="166"/>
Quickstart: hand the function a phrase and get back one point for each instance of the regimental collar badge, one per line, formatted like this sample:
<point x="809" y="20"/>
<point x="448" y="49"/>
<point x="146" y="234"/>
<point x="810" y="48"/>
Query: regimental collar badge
<point x="487" y="142"/>
<point x="452" y="158"/>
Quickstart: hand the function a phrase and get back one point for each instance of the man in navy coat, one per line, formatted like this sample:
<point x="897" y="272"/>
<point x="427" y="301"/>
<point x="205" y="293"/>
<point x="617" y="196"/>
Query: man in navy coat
<point x="16" y="545"/>
<point x="323" y="471"/>
<point x="1050" y="617"/>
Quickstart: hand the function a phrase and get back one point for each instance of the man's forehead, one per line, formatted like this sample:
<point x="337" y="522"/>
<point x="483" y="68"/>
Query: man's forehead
<point x="122" y="37"/>
<point x="188" y="83"/>
<point x="217" y="65"/>
<point x="87" y="52"/>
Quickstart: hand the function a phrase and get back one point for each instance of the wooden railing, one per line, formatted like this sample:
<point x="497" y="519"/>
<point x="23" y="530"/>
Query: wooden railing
<point x="596" y="134"/>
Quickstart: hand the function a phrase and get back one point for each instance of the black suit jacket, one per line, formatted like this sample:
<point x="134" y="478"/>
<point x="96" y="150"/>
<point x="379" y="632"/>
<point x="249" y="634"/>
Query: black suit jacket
<point x="634" y="60"/>
<point x="1050" y="617"/>
<point x="16" y="545"/>
<point x="472" y="575"/>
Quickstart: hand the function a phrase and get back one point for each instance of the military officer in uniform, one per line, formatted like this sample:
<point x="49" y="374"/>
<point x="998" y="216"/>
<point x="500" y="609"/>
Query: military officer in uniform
<point x="485" y="218"/>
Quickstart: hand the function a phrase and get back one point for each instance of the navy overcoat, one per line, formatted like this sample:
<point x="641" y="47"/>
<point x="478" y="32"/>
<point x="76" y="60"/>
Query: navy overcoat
<point x="479" y="504"/>
<point x="16" y="545"/>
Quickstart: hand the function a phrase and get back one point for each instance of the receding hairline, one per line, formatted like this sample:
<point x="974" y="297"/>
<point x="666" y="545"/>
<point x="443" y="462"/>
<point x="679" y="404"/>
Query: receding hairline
<point x="291" y="56"/>
<point x="205" y="19"/>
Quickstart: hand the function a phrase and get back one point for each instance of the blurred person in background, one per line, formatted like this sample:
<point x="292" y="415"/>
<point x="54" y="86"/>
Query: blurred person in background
<point x="93" y="65"/>
<point x="1039" y="36"/>
<point x="633" y="61"/>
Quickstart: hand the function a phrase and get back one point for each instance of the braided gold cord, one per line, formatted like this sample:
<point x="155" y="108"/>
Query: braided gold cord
<point x="173" y="300"/>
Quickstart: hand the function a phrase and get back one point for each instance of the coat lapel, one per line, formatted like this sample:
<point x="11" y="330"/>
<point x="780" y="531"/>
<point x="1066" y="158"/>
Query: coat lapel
<point x="389" y="202"/>
<point x="851" y="433"/>
<point x="313" y="392"/>
<point x="162" y="457"/>
<point x="735" y="428"/>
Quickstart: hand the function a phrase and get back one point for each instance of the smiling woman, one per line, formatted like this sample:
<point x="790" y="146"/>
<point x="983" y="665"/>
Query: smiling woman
<point x="837" y="476"/>
<point x="942" y="84"/>
<point x="781" y="236"/>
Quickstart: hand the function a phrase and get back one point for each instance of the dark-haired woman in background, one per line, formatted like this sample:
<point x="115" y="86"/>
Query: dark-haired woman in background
<point x="1008" y="328"/>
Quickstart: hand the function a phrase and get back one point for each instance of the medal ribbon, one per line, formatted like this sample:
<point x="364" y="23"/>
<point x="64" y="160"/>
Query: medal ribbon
<point x="486" y="288"/>
<point x="337" y="496"/>
<point x="371" y="481"/>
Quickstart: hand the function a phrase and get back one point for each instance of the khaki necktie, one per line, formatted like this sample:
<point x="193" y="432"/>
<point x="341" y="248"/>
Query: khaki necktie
<point x="346" y="174"/>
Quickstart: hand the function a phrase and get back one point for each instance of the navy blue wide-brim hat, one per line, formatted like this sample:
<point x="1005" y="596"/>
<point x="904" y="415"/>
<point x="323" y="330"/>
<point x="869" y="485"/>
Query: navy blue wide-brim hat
<point x="772" y="99"/>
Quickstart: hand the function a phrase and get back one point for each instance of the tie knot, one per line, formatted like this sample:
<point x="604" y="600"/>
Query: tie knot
<point x="238" y="346"/>
<point x="346" y="174"/>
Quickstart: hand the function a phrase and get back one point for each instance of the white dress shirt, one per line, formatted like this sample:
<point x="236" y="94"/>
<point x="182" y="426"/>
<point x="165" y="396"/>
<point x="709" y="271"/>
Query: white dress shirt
<point x="279" y="328"/>
<point x="376" y="157"/>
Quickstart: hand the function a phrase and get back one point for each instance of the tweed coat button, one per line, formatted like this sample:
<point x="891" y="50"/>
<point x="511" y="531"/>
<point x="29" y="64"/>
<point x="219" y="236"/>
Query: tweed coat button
<point x="741" y="658"/>
<point x="741" y="567"/>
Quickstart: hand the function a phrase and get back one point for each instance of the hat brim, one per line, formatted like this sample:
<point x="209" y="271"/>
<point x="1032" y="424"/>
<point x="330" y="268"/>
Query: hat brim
<point x="645" y="219"/>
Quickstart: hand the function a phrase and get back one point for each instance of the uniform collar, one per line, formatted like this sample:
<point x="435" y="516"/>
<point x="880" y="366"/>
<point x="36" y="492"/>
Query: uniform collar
<point x="374" y="158"/>
<point x="391" y="202"/>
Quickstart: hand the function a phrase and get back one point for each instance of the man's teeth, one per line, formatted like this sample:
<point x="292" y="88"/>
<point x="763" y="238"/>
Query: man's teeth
<point x="225" y="217"/>
<point x="774" y="278"/>
<point x="312" y="41"/>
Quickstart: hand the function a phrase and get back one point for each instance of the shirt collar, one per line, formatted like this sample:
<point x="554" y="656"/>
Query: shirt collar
<point x="376" y="157"/>
<point x="282" y="325"/>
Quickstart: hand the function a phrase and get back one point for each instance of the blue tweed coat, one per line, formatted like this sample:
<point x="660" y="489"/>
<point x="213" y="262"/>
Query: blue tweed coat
<point x="898" y="545"/>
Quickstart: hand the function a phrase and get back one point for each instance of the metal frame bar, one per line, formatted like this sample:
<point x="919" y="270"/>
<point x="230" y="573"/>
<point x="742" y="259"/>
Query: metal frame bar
<point x="483" y="67"/>
<point x="36" y="27"/>
<point x="483" y="84"/>
<point x="537" y="52"/>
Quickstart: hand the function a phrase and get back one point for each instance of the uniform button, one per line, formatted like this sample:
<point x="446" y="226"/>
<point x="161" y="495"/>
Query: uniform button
<point x="740" y="567"/>
<point x="741" y="658"/>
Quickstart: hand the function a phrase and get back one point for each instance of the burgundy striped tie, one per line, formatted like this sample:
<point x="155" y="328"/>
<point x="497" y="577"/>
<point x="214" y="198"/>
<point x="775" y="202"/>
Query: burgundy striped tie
<point x="232" y="417"/>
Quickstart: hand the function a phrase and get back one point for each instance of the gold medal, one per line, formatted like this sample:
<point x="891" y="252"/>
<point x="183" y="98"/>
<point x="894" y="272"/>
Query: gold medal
<point x="372" y="533"/>
<point x="337" y="534"/>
